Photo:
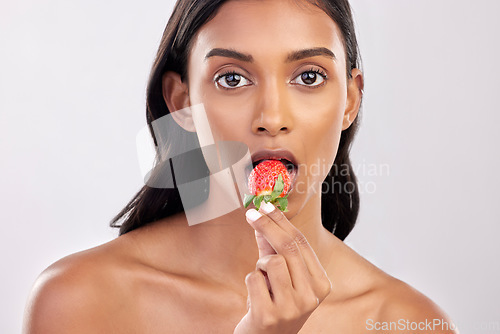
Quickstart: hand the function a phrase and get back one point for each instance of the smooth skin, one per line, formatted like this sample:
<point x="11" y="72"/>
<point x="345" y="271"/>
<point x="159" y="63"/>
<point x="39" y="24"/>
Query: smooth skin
<point x="169" y="277"/>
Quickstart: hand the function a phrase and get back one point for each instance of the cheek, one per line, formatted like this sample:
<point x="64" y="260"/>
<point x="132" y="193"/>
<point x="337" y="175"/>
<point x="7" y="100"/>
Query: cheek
<point x="229" y="121"/>
<point x="330" y="141"/>
<point x="321" y="128"/>
<point x="229" y="117"/>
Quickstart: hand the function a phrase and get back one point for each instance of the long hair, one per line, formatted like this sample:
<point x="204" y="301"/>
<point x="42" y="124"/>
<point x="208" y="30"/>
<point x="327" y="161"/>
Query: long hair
<point x="339" y="209"/>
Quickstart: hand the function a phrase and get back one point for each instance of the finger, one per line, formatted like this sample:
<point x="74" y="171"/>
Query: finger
<point x="310" y="258"/>
<point x="283" y="244"/>
<point x="321" y="285"/>
<point x="279" y="277"/>
<point x="265" y="247"/>
<point x="258" y="293"/>
<point x="320" y="282"/>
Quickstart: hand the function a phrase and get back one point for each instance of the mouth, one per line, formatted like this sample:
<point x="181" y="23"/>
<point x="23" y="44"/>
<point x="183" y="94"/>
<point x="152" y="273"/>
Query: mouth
<point x="284" y="156"/>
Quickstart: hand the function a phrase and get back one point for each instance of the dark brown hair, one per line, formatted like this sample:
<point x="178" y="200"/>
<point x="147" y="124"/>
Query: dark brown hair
<point x="339" y="206"/>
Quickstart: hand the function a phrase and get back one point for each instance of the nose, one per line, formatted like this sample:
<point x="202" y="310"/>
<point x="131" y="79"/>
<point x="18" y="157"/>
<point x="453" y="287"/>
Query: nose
<point x="273" y="110"/>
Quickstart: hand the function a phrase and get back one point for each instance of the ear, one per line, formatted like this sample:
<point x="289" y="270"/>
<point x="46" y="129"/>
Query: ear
<point x="354" y="94"/>
<point x="176" y="96"/>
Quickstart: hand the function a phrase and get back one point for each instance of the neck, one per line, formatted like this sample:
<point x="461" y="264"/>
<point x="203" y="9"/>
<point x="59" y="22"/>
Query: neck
<point x="224" y="250"/>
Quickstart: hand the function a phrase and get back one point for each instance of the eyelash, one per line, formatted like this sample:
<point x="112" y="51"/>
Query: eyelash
<point x="314" y="70"/>
<point x="317" y="71"/>
<point x="223" y="75"/>
<point x="320" y="72"/>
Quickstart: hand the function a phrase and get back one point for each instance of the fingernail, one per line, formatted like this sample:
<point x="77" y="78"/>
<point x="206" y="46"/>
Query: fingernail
<point x="266" y="207"/>
<point x="253" y="215"/>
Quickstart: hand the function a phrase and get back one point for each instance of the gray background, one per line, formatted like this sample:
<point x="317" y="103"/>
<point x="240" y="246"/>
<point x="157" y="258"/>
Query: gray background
<point x="72" y="86"/>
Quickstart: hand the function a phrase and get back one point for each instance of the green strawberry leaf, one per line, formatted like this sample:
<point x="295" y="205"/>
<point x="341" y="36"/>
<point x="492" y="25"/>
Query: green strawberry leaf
<point x="257" y="200"/>
<point x="278" y="188"/>
<point x="248" y="199"/>
<point x="267" y="198"/>
<point x="283" y="203"/>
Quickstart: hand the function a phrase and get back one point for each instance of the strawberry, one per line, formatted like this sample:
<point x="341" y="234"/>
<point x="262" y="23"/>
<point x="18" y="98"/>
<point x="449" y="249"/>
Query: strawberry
<point x="269" y="181"/>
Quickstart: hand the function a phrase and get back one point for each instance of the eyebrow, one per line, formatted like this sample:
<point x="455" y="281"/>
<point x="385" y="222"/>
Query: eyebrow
<point x="291" y="57"/>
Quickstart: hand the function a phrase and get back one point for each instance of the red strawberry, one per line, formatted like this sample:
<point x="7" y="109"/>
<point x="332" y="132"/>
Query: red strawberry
<point x="269" y="181"/>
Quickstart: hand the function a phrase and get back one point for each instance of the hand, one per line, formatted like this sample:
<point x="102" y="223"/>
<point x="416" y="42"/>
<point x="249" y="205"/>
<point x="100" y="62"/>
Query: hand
<point x="289" y="282"/>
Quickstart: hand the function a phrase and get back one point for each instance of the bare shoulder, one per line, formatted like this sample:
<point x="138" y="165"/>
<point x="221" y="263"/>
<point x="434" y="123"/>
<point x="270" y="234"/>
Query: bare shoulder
<point x="403" y="309"/>
<point x="77" y="293"/>
<point x="377" y="302"/>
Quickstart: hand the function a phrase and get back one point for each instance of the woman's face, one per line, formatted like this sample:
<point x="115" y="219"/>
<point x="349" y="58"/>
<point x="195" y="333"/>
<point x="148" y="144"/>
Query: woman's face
<point x="269" y="93"/>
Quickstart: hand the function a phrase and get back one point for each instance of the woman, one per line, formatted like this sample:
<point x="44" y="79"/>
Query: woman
<point x="281" y="77"/>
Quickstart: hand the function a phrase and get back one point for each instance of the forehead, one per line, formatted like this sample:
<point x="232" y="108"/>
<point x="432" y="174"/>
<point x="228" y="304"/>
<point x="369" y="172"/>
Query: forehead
<point x="265" y="28"/>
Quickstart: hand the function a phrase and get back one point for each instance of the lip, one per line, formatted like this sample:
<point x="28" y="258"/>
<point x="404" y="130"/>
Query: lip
<point x="274" y="154"/>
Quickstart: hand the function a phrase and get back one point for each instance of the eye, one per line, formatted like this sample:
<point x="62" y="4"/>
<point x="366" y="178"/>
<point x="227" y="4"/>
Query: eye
<point x="231" y="80"/>
<point x="312" y="78"/>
